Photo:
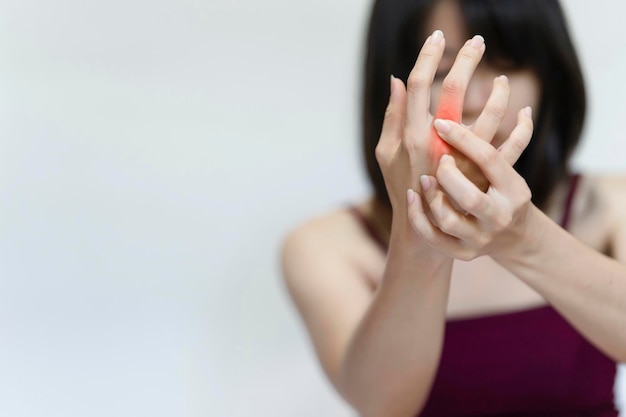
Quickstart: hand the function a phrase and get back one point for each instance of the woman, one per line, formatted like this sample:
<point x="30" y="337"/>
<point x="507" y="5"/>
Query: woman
<point x="451" y="292"/>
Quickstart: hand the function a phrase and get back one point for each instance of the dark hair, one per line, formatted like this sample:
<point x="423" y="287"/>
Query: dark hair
<point x="532" y="34"/>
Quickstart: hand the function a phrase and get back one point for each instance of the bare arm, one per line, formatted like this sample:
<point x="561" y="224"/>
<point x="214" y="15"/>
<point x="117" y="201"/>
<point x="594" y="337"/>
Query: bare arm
<point x="391" y="360"/>
<point x="585" y="286"/>
<point x="393" y="355"/>
<point x="381" y="352"/>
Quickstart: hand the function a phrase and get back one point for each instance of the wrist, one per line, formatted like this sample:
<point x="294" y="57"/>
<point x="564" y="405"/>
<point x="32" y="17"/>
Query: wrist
<point x="527" y="239"/>
<point x="406" y="241"/>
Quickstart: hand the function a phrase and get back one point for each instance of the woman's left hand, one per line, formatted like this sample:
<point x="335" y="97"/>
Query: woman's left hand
<point x="461" y="220"/>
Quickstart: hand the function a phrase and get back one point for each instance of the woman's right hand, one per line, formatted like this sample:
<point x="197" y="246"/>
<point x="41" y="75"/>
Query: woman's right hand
<point x="408" y="147"/>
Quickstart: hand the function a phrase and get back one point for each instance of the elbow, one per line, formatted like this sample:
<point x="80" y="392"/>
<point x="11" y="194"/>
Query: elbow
<point x="381" y="400"/>
<point x="393" y="409"/>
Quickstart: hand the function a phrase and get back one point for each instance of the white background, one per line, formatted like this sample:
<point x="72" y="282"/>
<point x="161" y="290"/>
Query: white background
<point x="152" y="155"/>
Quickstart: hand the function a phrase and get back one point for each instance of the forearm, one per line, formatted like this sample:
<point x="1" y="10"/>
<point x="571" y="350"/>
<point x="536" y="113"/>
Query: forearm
<point x="586" y="287"/>
<point x="393" y="356"/>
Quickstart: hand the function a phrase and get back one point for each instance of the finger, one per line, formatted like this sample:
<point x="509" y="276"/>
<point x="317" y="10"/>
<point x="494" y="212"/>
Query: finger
<point x="430" y="193"/>
<point x="393" y="123"/>
<point x="434" y="237"/>
<point x="519" y="139"/>
<point x="486" y="125"/>
<point x="455" y="84"/>
<point x="497" y="171"/>
<point x="420" y="80"/>
<point x="444" y="214"/>
<point x="465" y="194"/>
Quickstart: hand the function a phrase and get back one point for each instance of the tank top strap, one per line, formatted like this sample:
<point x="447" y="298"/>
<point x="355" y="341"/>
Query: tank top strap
<point x="569" y="201"/>
<point x="368" y="226"/>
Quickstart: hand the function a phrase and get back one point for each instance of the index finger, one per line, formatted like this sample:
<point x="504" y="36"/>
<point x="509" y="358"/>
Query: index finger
<point x="420" y="81"/>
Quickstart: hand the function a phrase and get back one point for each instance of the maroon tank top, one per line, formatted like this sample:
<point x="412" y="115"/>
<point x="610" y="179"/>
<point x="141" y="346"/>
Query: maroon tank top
<point x="525" y="363"/>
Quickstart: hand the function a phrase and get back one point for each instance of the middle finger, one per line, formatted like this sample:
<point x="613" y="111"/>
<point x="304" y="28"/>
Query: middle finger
<point x="455" y="84"/>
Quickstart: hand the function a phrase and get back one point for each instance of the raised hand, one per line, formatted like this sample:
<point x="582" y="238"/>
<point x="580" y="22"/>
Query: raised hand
<point x="461" y="220"/>
<point x="409" y="147"/>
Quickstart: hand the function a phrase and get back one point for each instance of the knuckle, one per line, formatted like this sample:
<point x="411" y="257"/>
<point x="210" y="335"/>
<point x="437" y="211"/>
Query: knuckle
<point x="460" y="135"/>
<point x="496" y="110"/>
<point x="466" y="255"/>
<point x="473" y="202"/>
<point x="468" y="53"/>
<point x="428" y="57"/>
<point x="406" y="145"/>
<point x="524" y="196"/>
<point x="448" y="223"/>
<point x="482" y="239"/>
<point x="427" y="53"/>
<point x="503" y="220"/>
<point x="381" y="154"/>
<point x="452" y="86"/>
<point x="443" y="171"/>
<point x="418" y="81"/>
<point x="409" y="144"/>
<point x="518" y="145"/>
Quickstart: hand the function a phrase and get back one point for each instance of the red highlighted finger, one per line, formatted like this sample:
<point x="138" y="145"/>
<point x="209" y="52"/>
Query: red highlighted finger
<point x="450" y="108"/>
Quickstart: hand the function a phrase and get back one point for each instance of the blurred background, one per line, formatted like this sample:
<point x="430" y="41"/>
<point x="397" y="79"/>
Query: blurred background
<point x="152" y="156"/>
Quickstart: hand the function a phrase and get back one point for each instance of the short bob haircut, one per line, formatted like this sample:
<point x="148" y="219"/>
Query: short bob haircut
<point x="528" y="34"/>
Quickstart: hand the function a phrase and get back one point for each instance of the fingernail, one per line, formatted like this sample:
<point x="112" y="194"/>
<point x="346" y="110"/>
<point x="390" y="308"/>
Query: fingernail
<point x="442" y="126"/>
<point x="410" y="196"/>
<point x="502" y="78"/>
<point x="391" y="78"/>
<point x="477" y="41"/>
<point x="529" y="111"/>
<point x="445" y="158"/>
<point x="437" y="37"/>
<point x="425" y="182"/>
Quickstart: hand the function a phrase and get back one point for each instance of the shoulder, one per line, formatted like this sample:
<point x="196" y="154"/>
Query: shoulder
<point x="332" y="239"/>
<point x="613" y="185"/>
<point x="324" y="233"/>
<point x="330" y="254"/>
<point x="610" y="194"/>
<point x="599" y="193"/>
<point x="327" y="226"/>
<point x="609" y="191"/>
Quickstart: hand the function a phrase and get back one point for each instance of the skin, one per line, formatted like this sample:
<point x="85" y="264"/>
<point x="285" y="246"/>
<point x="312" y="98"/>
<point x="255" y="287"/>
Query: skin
<point x="441" y="263"/>
<point x="450" y="108"/>
<point x="348" y="320"/>
<point x="589" y="289"/>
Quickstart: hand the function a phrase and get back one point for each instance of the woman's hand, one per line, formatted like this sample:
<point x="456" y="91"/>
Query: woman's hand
<point x="462" y="221"/>
<point x="408" y="147"/>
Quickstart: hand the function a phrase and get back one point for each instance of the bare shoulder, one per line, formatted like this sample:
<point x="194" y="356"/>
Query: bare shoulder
<point x="613" y="185"/>
<point x="335" y="237"/>
<point x="611" y="192"/>
<point x="326" y="229"/>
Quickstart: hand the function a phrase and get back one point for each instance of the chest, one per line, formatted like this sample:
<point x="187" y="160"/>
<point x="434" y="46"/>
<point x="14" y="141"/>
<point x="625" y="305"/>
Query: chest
<point x="483" y="287"/>
<point x="525" y="363"/>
